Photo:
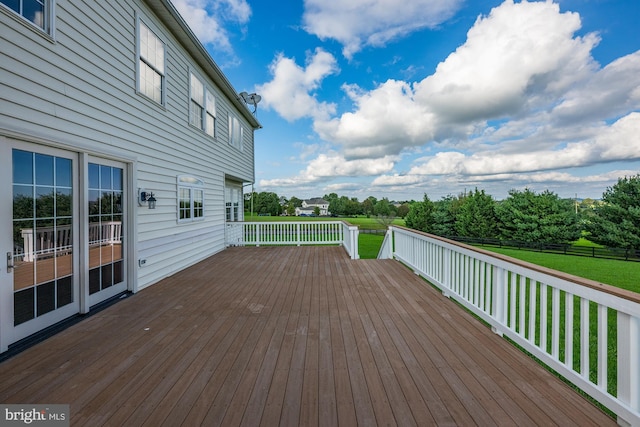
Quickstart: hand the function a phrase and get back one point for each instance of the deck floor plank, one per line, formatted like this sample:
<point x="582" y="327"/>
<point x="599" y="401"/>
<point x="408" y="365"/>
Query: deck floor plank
<point x="290" y="336"/>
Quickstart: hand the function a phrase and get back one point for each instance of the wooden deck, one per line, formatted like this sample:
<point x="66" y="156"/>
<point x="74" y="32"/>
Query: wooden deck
<point x="290" y="336"/>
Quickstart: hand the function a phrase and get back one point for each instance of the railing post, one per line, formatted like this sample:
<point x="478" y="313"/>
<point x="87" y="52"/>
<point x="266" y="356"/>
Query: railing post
<point x="628" y="366"/>
<point x="498" y="298"/>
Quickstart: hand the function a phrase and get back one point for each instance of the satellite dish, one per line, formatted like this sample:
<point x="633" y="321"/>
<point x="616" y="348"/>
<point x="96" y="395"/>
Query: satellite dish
<point x="251" y="98"/>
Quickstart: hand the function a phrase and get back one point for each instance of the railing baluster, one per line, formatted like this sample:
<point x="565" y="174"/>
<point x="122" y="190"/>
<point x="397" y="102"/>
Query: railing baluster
<point x="533" y="310"/>
<point x="584" y="337"/>
<point x="522" y="294"/>
<point x="602" y="346"/>
<point x="544" y="321"/>
<point x="555" y="322"/>
<point x="568" y="330"/>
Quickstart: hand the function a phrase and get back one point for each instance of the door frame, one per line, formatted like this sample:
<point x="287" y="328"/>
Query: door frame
<point x="10" y="333"/>
<point x="82" y="155"/>
<point x="88" y="300"/>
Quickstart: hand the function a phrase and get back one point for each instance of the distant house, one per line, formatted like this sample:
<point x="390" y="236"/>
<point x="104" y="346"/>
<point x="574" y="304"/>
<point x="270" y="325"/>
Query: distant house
<point x="309" y="206"/>
<point x="109" y="108"/>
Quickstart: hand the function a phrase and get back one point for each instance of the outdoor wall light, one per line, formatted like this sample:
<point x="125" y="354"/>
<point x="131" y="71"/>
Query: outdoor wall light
<point x="146" y="198"/>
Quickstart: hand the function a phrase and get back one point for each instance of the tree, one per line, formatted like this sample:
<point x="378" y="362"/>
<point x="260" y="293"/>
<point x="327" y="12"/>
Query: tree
<point x="476" y="216"/>
<point x="544" y="218"/>
<point x="368" y="204"/>
<point x="616" y="222"/>
<point x="337" y="206"/>
<point x="444" y="215"/>
<point x="420" y="216"/>
<point x="403" y="210"/>
<point x="267" y="203"/>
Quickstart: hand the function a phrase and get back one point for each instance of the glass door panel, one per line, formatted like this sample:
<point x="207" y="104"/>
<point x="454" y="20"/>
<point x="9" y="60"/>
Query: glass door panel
<point x="106" y="261"/>
<point x="42" y="234"/>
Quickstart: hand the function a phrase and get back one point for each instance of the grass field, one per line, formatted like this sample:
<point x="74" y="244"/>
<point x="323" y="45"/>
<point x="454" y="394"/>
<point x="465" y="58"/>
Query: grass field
<point x="622" y="274"/>
<point x="370" y="223"/>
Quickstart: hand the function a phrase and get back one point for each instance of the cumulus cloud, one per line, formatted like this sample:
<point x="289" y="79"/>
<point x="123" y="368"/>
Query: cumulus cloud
<point x="359" y="23"/>
<point x="206" y="19"/>
<point x="522" y="96"/>
<point x="612" y="91"/>
<point x="615" y="143"/>
<point x="520" y="58"/>
<point x="290" y="92"/>
<point x="327" y="166"/>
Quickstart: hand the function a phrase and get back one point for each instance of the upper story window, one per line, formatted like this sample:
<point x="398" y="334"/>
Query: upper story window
<point x="190" y="198"/>
<point x="151" y="77"/>
<point x="211" y="114"/>
<point x="196" y="110"/>
<point x="202" y="108"/>
<point x="38" y="12"/>
<point x="235" y="132"/>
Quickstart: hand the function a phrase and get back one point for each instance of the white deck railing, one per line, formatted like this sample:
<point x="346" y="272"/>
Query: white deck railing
<point x="577" y="327"/>
<point x="47" y="241"/>
<point x="294" y="233"/>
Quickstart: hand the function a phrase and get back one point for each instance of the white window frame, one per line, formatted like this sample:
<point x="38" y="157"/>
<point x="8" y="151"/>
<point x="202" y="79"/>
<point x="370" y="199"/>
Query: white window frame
<point x="233" y="198"/>
<point x="190" y="189"/>
<point x="48" y="10"/>
<point x="144" y="64"/>
<point x="196" y="101"/>
<point x="210" y="113"/>
<point x="236" y="132"/>
<point x="202" y="106"/>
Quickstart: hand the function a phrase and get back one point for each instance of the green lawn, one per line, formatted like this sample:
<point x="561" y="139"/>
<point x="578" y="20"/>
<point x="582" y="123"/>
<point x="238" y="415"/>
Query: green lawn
<point x="369" y="245"/>
<point x="623" y="274"/>
<point x="361" y="221"/>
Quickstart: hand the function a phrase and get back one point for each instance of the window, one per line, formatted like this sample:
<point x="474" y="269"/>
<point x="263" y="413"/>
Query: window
<point x="190" y="198"/>
<point x="151" y="78"/>
<point x="235" y="132"/>
<point x="196" y="108"/>
<point x="233" y="195"/>
<point x="211" y="114"/>
<point x="202" y="108"/>
<point x="38" y="12"/>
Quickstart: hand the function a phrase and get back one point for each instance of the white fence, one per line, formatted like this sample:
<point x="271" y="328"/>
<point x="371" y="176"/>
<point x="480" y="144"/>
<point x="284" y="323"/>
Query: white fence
<point x="294" y="233"/>
<point x="587" y="332"/>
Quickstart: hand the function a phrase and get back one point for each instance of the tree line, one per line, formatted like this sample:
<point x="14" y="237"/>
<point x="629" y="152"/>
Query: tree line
<point x="527" y="216"/>
<point x="270" y="203"/>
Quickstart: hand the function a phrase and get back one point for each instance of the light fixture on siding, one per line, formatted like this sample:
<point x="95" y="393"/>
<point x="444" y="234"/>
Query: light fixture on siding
<point x="146" y="198"/>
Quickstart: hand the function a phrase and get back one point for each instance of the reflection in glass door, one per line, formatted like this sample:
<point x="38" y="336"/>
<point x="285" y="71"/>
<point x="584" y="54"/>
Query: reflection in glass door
<point x="106" y="262"/>
<point x="42" y="234"/>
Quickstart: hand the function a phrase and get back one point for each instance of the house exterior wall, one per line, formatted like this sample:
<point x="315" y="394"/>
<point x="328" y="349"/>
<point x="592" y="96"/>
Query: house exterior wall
<point x="308" y="207"/>
<point x="76" y="89"/>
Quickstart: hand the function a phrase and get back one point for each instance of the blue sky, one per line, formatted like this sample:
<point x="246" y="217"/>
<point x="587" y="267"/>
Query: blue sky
<point x="397" y="99"/>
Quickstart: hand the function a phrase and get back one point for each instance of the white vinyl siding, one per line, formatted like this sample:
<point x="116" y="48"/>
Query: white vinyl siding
<point x="151" y="80"/>
<point x="37" y="12"/>
<point x="79" y="94"/>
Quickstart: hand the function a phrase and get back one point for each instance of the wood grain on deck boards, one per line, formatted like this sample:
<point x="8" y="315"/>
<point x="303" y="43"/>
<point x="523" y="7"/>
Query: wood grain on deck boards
<point x="290" y="336"/>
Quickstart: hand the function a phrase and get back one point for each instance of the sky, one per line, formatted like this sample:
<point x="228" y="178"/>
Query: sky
<point x="399" y="99"/>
